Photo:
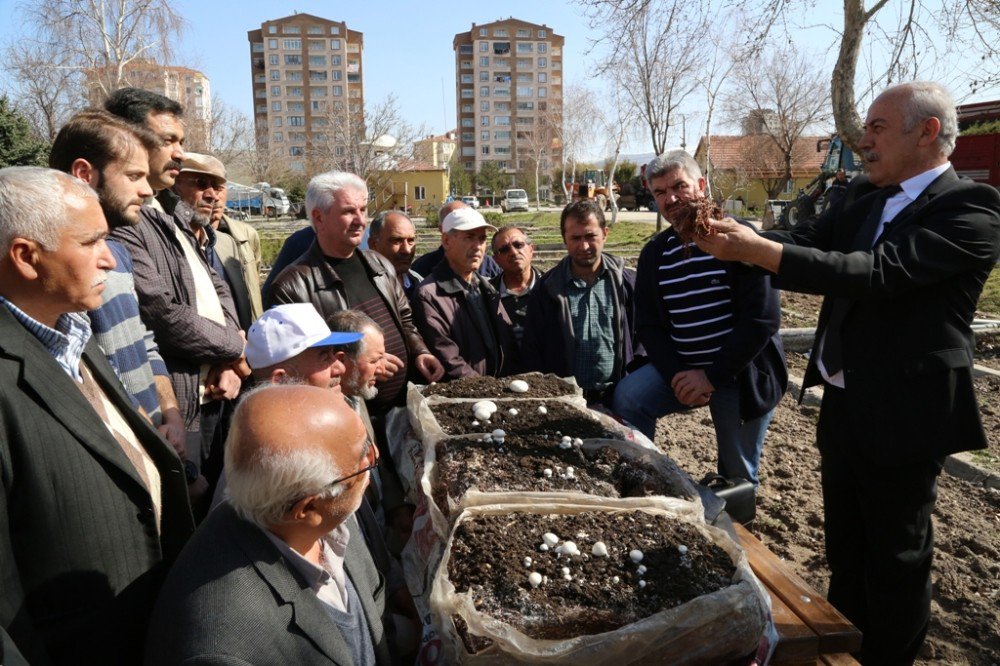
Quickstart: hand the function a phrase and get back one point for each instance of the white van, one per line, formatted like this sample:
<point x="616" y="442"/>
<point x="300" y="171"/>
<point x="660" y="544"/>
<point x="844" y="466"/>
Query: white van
<point x="514" y="200"/>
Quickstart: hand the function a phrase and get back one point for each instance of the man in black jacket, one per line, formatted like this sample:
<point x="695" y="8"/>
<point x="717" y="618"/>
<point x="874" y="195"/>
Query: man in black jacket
<point x="902" y="265"/>
<point x="710" y="330"/>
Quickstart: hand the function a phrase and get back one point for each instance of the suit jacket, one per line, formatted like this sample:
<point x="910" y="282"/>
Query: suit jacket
<point x="232" y="599"/>
<point x="165" y="286"/>
<point x="80" y="558"/>
<point x="906" y="340"/>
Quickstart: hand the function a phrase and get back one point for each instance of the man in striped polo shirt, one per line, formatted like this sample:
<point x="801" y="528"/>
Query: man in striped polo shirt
<point x="710" y="330"/>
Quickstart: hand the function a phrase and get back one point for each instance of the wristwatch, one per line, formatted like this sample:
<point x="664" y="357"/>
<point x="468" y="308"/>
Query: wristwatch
<point x="191" y="472"/>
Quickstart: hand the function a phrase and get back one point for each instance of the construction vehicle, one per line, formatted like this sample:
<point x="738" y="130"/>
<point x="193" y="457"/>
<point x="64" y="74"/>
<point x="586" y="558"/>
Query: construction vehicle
<point x="592" y="184"/>
<point x="633" y="195"/>
<point x="976" y="156"/>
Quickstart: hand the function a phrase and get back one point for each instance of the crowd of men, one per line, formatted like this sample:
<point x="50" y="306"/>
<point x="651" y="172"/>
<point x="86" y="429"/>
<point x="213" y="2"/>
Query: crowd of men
<point x="149" y="384"/>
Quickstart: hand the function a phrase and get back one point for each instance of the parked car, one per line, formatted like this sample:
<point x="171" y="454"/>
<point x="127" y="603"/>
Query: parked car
<point x="472" y="202"/>
<point x="514" y="200"/>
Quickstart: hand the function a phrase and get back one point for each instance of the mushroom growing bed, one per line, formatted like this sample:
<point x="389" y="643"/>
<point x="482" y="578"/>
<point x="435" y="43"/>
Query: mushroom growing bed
<point x="529" y="385"/>
<point x="549" y="420"/>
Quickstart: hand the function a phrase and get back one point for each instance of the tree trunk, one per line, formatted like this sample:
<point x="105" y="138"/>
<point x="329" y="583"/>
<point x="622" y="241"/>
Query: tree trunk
<point x="849" y="124"/>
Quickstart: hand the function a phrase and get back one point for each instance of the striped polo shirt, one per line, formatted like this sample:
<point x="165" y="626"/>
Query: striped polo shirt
<point x="696" y="294"/>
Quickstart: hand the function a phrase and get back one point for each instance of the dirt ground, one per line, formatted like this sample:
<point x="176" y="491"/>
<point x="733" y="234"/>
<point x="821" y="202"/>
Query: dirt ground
<point x="965" y="623"/>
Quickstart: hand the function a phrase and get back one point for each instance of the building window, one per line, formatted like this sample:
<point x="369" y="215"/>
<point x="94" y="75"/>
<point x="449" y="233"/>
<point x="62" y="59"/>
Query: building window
<point x="336" y="60"/>
<point x="501" y="92"/>
<point x="542" y="34"/>
<point x="499" y="136"/>
<point x="290" y="29"/>
<point x="260" y="108"/>
<point x="483" y="75"/>
<point x="542" y="77"/>
<point x="466" y="64"/>
<point x="499" y="32"/>
<point x="468" y="93"/>
<point x="260" y="94"/>
<point x="524" y="77"/>
<point x="484" y="47"/>
<point x="316" y="45"/>
<point x="293" y="59"/>
<point x="467" y="122"/>
<point x="524" y="91"/>
<point x="484" y="135"/>
<point x="273" y="59"/>
<point x="482" y="32"/>
<point x="525" y="106"/>
<point x="484" y="121"/>
<point x="315" y="30"/>
<point x="484" y="91"/>
<point x="272" y="30"/>
<point x="542" y="91"/>
<point x="468" y="151"/>
<point x="338" y="91"/>
<point x="292" y="44"/>
<point x="334" y="29"/>
<point x="525" y="63"/>
<point x="419" y="192"/>
<point x="278" y="137"/>
<point x="317" y="77"/>
<point x="296" y="151"/>
<point x="466" y="78"/>
<point x="317" y="61"/>
<point x="296" y="121"/>
<point x="525" y="47"/>
<point x="296" y="107"/>
<point x="276" y="106"/>
<point x="338" y="75"/>
<point x="501" y="106"/>
<point x="542" y="62"/>
<point x="502" y="150"/>
<point x="294" y="91"/>
<point x="272" y="43"/>
<point x="317" y="91"/>
<point x="277" y="121"/>
<point x="502" y="120"/>
<point x="468" y="136"/>
<point x="484" y="150"/>
<point x="335" y="44"/>
<point x="293" y="76"/>
<point x="501" y="48"/>
<point x="522" y="32"/>
<point x="543" y="47"/>
<point x="484" y="106"/>
<point x="318" y="105"/>
<point x="275" y="74"/>
<point x="276" y="91"/>
<point x="484" y="61"/>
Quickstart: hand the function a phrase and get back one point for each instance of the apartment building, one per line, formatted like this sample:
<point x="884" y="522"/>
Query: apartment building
<point x="187" y="86"/>
<point x="508" y="91"/>
<point x="436" y="150"/>
<point x="308" y="89"/>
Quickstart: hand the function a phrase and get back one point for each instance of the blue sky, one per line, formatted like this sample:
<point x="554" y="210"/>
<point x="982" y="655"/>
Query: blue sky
<point x="408" y="48"/>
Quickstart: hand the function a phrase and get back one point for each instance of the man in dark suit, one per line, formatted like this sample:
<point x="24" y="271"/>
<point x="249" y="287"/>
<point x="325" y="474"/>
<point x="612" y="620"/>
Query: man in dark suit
<point x="93" y="502"/>
<point x="281" y="570"/>
<point x="902" y="264"/>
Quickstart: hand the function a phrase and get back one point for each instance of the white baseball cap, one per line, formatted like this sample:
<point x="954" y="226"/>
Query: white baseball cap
<point x="464" y="219"/>
<point x="286" y="331"/>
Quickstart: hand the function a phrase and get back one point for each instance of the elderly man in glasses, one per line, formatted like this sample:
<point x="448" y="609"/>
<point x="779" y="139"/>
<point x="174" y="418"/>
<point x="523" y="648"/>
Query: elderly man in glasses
<point x="513" y="252"/>
<point x="282" y="569"/>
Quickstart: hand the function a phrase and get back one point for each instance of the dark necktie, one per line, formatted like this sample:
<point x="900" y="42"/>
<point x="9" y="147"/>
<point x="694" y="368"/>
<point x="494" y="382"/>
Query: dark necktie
<point x="832" y="357"/>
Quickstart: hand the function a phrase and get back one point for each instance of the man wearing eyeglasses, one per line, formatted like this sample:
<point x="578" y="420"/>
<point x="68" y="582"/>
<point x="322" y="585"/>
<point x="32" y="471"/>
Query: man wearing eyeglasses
<point x="513" y="252"/>
<point x="281" y="569"/>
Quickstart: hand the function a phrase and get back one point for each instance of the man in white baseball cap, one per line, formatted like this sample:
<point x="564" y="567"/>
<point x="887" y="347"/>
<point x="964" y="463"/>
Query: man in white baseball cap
<point x="458" y="312"/>
<point x="292" y="341"/>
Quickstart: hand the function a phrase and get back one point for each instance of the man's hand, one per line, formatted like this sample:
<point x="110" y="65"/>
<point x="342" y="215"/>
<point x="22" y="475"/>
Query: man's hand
<point x="733" y="241"/>
<point x="173" y="431"/>
<point x="429" y="367"/>
<point x="391" y="364"/>
<point x="692" y="387"/>
<point x="222" y="383"/>
<point x="241" y="368"/>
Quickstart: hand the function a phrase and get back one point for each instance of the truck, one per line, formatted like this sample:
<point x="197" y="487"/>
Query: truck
<point x="976" y="156"/>
<point x="257" y="199"/>
<point x="592" y="184"/>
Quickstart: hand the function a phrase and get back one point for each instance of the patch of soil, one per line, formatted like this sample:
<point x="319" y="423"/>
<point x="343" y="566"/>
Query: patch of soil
<point x="539" y="386"/>
<point x="965" y="620"/>
<point x="988" y="351"/>
<point x="582" y="594"/>
<point x="799" y="310"/>
<point x="558" y="419"/>
<point x="537" y="465"/>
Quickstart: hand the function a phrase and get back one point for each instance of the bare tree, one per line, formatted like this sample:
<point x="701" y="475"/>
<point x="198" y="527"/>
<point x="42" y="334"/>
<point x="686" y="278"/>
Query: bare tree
<point x="265" y="163"/>
<point x="576" y="128"/>
<point x="540" y="143"/>
<point x="617" y="121"/>
<point x="102" y="37"/>
<point x="786" y="95"/>
<point x="230" y="132"/>
<point x="45" y="85"/>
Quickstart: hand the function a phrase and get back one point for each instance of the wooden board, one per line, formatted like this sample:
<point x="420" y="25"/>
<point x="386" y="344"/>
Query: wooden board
<point x="800" y="608"/>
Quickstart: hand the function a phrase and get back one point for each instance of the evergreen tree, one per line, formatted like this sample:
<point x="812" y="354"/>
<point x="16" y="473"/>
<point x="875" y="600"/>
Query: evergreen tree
<point x="18" y="145"/>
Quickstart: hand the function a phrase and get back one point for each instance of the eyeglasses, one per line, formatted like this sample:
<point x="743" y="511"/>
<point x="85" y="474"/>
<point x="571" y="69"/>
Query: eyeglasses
<point x="505" y="249"/>
<point x="370" y="446"/>
<point x="204" y="183"/>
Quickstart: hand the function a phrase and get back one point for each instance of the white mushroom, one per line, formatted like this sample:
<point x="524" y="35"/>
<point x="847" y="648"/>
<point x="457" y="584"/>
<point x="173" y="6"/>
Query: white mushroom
<point x="482" y="413"/>
<point x="642" y="583"/>
<point x="498" y="435"/>
<point x="518" y="386"/>
<point x="527" y="561"/>
<point x="641" y="569"/>
<point x="512" y="411"/>
<point x="550" y="539"/>
<point x="535" y="579"/>
<point x="542" y="409"/>
<point x="547" y="473"/>
<point x="568" y="548"/>
<point x="615" y="579"/>
<point x="599" y="550"/>
<point x="682" y="549"/>
<point x="635" y="555"/>
<point x="565" y="570"/>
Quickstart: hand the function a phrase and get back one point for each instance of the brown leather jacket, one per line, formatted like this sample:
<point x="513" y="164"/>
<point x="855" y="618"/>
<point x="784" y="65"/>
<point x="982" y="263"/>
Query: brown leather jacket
<point x="311" y="279"/>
